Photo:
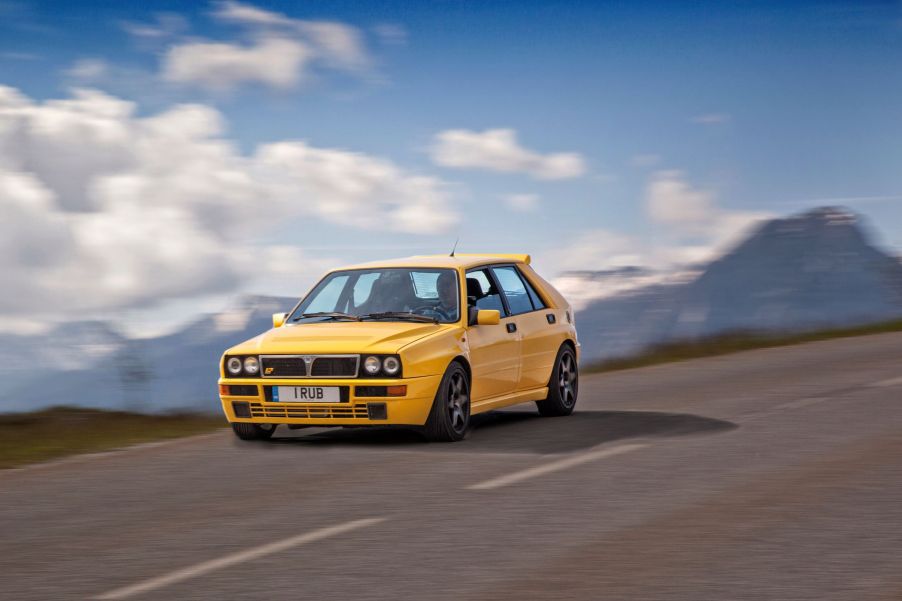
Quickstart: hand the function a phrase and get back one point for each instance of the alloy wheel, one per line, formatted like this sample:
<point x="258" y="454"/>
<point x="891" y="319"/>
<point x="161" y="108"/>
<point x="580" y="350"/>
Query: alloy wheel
<point x="567" y="379"/>
<point x="458" y="401"/>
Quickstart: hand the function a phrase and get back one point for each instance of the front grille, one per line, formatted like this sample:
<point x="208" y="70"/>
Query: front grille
<point x="320" y="366"/>
<point x="292" y="410"/>
<point x="340" y="367"/>
<point x="284" y="367"/>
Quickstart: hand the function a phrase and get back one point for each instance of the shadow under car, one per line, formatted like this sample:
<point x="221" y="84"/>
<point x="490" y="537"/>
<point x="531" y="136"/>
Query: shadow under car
<point x="507" y="431"/>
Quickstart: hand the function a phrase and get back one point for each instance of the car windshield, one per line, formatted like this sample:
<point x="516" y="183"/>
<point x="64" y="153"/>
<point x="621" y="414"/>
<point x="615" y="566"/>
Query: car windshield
<point x="386" y="294"/>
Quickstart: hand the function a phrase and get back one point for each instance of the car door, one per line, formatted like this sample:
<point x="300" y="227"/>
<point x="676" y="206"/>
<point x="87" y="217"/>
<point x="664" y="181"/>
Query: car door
<point x="538" y="338"/>
<point x="494" y="349"/>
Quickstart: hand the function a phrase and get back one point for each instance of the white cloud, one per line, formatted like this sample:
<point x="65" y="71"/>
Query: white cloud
<point x="391" y="33"/>
<point x="671" y="200"/>
<point x="281" y="53"/>
<point x="685" y="227"/>
<point x="499" y="150"/>
<point x="690" y="213"/>
<point x="712" y="119"/>
<point x="276" y="62"/>
<point x="19" y="56"/>
<point x="105" y="210"/>
<point x="248" y="14"/>
<point x="88" y="69"/>
<point x="355" y="188"/>
<point x="524" y="203"/>
<point x="599" y="249"/>
<point x="339" y="42"/>
<point x="165" y="25"/>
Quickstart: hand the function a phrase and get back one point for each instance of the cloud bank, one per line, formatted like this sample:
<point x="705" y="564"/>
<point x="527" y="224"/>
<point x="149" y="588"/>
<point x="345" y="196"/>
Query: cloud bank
<point x="104" y="209"/>
<point x="282" y="53"/>
<point x="499" y="150"/>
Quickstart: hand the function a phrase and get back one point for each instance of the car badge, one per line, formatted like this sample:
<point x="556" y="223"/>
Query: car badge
<point x="268" y="370"/>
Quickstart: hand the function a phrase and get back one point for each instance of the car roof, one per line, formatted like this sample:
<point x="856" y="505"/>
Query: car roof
<point x="459" y="260"/>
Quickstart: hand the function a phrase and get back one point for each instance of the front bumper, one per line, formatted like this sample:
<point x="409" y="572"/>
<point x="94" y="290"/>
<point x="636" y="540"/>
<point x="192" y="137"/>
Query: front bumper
<point x="358" y="410"/>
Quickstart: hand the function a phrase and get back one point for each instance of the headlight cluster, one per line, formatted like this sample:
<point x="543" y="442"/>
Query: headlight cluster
<point x="384" y="365"/>
<point x="242" y="366"/>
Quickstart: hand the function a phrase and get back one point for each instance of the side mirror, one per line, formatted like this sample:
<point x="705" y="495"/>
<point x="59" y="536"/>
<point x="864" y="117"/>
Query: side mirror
<point x="488" y="317"/>
<point x="278" y="319"/>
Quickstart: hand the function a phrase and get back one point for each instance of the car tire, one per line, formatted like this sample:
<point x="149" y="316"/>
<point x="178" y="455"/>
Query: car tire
<point x="246" y="431"/>
<point x="563" y="387"/>
<point x="449" y="418"/>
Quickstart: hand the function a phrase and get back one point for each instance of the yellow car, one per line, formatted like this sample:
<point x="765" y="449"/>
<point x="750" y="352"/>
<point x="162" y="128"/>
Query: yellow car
<point x="424" y="342"/>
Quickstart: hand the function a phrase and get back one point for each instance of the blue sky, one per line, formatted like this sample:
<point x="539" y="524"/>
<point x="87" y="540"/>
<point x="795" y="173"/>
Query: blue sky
<point x="676" y="125"/>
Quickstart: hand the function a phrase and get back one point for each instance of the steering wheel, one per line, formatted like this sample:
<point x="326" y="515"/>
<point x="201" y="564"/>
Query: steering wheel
<point x="426" y="309"/>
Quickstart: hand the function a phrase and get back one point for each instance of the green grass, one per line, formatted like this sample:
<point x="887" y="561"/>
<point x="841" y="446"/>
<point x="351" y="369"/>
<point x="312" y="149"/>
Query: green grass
<point x="733" y="342"/>
<point x="51" y="433"/>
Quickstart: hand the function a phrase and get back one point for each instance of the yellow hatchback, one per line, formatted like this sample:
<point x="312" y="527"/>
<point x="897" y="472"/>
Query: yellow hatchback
<point x="423" y="342"/>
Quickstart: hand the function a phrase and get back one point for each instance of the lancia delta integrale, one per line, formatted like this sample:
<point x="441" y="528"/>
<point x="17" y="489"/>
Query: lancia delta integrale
<point x="424" y="342"/>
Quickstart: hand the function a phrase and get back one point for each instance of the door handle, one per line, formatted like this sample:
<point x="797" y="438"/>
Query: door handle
<point x="511" y="328"/>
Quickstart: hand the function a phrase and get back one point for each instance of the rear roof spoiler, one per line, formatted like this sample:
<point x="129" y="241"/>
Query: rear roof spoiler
<point x="510" y="256"/>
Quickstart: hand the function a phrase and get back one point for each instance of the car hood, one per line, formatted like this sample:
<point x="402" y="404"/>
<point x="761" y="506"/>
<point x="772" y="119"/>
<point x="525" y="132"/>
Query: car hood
<point x="337" y="337"/>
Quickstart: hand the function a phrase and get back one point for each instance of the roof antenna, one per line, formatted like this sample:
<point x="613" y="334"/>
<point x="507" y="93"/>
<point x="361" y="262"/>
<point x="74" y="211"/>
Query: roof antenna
<point x="454" y="248"/>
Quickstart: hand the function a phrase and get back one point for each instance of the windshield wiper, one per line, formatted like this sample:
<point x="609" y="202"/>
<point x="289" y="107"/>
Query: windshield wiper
<point x="332" y="314"/>
<point x="400" y="315"/>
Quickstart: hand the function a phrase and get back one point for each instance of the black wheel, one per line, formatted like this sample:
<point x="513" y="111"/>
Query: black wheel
<point x="253" y="431"/>
<point x="563" y="386"/>
<point x="450" y="416"/>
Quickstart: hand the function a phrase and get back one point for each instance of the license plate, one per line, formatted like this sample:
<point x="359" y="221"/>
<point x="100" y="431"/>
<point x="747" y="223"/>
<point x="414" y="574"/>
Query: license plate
<point x="306" y="394"/>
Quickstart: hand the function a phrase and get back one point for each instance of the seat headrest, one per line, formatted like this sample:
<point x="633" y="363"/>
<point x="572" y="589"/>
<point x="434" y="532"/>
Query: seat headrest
<point x="474" y="288"/>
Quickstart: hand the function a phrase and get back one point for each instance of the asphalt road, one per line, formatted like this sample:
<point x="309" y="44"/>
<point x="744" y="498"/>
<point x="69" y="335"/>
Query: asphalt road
<point x="772" y="474"/>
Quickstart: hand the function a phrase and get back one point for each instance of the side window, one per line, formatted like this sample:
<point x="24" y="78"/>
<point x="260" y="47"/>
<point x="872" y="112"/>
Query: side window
<point x="514" y="289"/>
<point x="533" y="295"/>
<point x="481" y="293"/>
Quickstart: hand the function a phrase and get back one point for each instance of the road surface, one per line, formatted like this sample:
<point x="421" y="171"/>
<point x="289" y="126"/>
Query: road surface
<point x="771" y="474"/>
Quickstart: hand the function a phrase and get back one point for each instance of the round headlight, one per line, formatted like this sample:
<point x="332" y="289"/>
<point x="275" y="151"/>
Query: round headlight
<point x="233" y="366"/>
<point x="372" y="365"/>
<point x="251" y="365"/>
<point x="391" y="365"/>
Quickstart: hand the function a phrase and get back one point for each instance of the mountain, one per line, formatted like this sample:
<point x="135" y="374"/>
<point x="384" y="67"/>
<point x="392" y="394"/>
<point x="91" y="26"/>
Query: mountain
<point x="67" y="348"/>
<point x="177" y="371"/>
<point x="814" y="270"/>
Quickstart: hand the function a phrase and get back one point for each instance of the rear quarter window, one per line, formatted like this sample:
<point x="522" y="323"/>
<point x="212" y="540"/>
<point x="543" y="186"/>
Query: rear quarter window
<point x="514" y="289"/>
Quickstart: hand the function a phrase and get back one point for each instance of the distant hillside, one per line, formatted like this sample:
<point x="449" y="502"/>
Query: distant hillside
<point x="814" y="270"/>
<point x="177" y="371"/>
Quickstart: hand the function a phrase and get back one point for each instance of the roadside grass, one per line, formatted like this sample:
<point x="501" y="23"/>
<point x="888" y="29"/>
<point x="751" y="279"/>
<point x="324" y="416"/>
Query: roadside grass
<point x="732" y="342"/>
<point x="60" y="431"/>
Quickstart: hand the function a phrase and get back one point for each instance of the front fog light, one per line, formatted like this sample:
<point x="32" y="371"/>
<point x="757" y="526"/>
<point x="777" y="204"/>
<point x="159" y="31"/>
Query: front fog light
<point x="233" y="366"/>
<point x="251" y="365"/>
<point x="372" y="365"/>
<point x="391" y="365"/>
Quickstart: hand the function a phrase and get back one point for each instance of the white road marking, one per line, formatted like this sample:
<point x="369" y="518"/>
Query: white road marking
<point x="242" y="556"/>
<point x="890" y="382"/>
<point x="554" y="466"/>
